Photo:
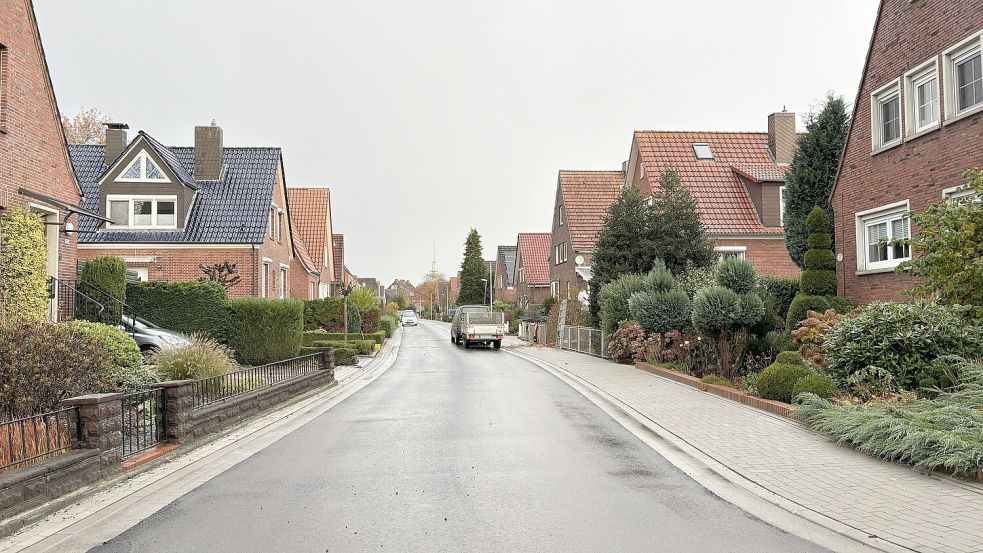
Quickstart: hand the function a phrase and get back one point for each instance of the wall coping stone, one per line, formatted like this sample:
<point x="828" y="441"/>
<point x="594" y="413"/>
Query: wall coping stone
<point x="174" y="383"/>
<point x="20" y="475"/>
<point x="91" y="399"/>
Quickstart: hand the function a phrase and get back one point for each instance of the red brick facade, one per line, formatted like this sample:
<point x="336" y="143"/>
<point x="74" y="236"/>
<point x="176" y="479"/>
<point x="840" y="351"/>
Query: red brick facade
<point x="33" y="153"/>
<point x="768" y="255"/>
<point x="920" y="166"/>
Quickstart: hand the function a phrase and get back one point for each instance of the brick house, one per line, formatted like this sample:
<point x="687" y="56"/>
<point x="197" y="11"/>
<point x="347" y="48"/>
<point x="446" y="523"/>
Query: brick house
<point x="737" y="180"/>
<point x="310" y="217"/>
<point x="173" y="209"/>
<point x="917" y="127"/>
<point x="505" y="274"/>
<point x="582" y="202"/>
<point x="532" y="269"/>
<point x="340" y="272"/>
<point x="35" y="169"/>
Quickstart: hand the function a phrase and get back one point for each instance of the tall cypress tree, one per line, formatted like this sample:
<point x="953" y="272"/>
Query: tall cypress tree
<point x="677" y="234"/>
<point x="810" y="179"/>
<point x="472" y="271"/>
<point x="623" y="245"/>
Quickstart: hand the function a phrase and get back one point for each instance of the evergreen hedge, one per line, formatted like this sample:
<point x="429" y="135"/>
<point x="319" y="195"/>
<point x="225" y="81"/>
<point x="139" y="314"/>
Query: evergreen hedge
<point x="344" y="357"/>
<point x="325" y="313"/>
<point x="103" y="279"/>
<point x="817" y="286"/>
<point x="188" y="307"/>
<point x="23" y="266"/>
<point x="263" y="330"/>
<point x="362" y="347"/>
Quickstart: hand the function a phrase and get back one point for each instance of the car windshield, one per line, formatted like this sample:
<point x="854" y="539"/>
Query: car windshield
<point x="137" y="322"/>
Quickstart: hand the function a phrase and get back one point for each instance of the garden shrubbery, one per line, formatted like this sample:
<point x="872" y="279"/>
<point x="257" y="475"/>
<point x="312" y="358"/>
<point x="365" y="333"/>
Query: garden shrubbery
<point x="779" y="379"/>
<point x="818" y="281"/>
<point x="202" y="358"/>
<point x="325" y="313"/>
<point x="124" y="369"/>
<point x="103" y="279"/>
<point x="188" y="307"/>
<point x="265" y="330"/>
<point x="344" y="357"/>
<point x="23" y="262"/>
<point x="614" y="301"/>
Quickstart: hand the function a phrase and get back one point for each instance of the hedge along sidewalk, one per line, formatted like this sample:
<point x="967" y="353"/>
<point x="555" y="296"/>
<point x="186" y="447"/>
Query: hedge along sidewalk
<point x="903" y="508"/>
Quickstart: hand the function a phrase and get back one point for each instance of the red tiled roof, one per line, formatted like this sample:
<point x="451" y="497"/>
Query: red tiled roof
<point x="300" y="250"/>
<point x="587" y="195"/>
<point x="309" y="212"/>
<point x="721" y="199"/>
<point x="762" y="172"/>
<point x="534" y="254"/>
<point x="338" y="251"/>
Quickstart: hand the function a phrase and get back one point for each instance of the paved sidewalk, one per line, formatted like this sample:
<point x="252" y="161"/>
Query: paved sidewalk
<point x="905" y="508"/>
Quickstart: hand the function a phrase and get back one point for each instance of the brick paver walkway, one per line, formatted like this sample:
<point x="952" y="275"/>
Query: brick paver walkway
<point x="912" y="510"/>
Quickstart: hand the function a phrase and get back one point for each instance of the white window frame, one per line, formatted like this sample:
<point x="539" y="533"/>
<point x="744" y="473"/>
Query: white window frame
<point x="141" y="158"/>
<point x="912" y="80"/>
<point x="722" y="251"/>
<point x="522" y="274"/>
<point x="960" y="194"/>
<point x="322" y="290"/>
<point x="884" y="94"/>
<point x="282" y="281"/>
<point x="781" y="206"/>
<point x="560" y="214"/>
<point x="864" y="219"/>
<point x="130" y="198"/>
<point x="554" y="289"/>
<point x="965" y="48"/>
<point x="697" y="153"/>
<point x="264" y="279"/>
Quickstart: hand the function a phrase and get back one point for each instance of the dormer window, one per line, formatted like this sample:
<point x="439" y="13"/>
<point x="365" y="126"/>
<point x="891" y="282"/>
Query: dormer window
<point x="141" y="212"/>
<point x="142" y="169"/>
<point x="702" y="151"/>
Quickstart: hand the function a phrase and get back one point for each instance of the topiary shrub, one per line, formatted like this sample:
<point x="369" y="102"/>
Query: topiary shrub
<point x="714" y="310"/>
<point x="265" y="330"/>
<point x="818" y="280"/>
<point x="660" y="312"/>
<point x="778" y="381"/>
<point x="23" y="266"/>
<point x="614" y="300"/>
<point x="782" y="290"/>
<point x="737" y="275"/>
<point x="904" y="339"/>
<point x="790" y="358"/>
<point x="202" y="358"/>
<point x="802" y="305"/>
<point x="818" y="283"/>
<point x="103" y="279"/>
<point x="818" y="384"/>
<point x="345" y="357"/>
<point x="188" y="307"/>
<point x="627" y="344"/>
<point x="124" y="367"/>
<point x="659" y="279"/>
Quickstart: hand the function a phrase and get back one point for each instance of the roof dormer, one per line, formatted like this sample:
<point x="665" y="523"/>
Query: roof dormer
<point x="142" y="169"/>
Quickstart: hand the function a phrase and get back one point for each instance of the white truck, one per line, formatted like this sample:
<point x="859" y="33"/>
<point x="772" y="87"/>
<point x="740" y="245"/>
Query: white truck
<point x="477" y="324"/>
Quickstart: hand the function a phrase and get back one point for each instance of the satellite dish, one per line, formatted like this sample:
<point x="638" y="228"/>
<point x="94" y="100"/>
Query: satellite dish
<point x="579" y="260"/>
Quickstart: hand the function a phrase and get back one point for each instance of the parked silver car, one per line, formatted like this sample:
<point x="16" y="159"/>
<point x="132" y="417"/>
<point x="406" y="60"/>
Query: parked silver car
<point x="408" y="318"/>
<point x="150" y="337"/>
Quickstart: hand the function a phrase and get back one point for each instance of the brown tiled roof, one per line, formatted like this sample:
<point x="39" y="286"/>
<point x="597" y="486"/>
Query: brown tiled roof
<point x="587" y="195"/>
<point x="300" y="250"/>
<point x="309" y="212"/>
<point x="762" y="172"/>
<point x="534" y="253"/>
<point x="338" y="250"/>
<point x="721" y="199"/>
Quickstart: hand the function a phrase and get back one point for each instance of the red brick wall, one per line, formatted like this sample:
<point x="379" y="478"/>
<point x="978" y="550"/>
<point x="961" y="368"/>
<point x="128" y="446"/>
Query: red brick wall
<point x="301" y="280"/>
<point x="907" y="35"/>
<point x="32" y="148"/>
<point x="768" y="255"/>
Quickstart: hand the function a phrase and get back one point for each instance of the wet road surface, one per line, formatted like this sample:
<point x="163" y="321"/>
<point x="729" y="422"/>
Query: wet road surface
<point x="454" y="450"/>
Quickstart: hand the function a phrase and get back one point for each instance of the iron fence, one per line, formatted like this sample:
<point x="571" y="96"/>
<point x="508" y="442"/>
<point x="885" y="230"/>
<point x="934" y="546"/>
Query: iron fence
<point x="33" y="439"/>
<point x="143" y="420"/>
<point x="71" y="303"/>
<point x="583" y="340"/>
<point x="217" y="388"/>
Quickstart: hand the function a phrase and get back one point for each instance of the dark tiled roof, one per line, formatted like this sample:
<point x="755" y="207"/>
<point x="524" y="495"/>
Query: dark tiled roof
<point x="173" y="163"/>
<point x="506" y="254"/>
<point x="587" y="196"/>
<point x="233" y="210"/>
<point x="534" y="249"/>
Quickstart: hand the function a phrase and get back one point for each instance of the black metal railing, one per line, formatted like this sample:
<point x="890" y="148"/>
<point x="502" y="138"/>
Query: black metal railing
<point x="143" y="420"/>
<point x="218" y="388"/>
<point x="71" y="303"/>
<point x="33" y="439"/>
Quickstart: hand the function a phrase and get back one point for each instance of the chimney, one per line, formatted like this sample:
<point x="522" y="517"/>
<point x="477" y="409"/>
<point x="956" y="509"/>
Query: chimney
<point x="208" y="152"/>
<point x="782" y="138"/>
<point x="115" y="140"/>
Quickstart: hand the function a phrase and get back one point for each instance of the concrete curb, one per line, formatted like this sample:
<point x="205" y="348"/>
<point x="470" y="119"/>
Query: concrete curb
<point x="722" y="481"/>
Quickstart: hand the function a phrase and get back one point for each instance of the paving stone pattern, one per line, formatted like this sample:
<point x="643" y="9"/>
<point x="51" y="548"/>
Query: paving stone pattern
<point x="907" y="508"/>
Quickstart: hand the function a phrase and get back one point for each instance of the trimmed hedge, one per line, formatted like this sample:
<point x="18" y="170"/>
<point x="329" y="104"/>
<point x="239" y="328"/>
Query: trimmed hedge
<point x="778" y="381"/>
<point x="23" y="259"/>
<point x="325" y="313"/>
<point x="818" y="384"/>
<point x="362" y="347"/>
<point x="188" y="307"/>
<point x="313" y="337"/>
<point x="265" y="330"/>
<point x="344" y="357"/>
<point x="103" y="279"/>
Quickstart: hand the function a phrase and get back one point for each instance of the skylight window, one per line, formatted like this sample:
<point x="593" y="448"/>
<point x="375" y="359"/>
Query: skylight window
<point x="702" y="150"/>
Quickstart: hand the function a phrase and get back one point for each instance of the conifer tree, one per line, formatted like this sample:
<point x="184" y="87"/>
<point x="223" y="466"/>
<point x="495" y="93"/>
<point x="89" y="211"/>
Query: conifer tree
<point x="677" y="234"/>
<point x="810" y="179"/>
<point x="623" y="245"/>
<point x="472" y="290"/>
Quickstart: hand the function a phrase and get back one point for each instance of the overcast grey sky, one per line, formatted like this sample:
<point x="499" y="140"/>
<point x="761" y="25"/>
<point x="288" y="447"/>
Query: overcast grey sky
<point x="428" y="118"/>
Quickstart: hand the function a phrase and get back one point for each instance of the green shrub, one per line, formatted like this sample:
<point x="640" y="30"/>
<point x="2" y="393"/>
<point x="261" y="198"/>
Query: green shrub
<point x="614" y="301"/>
<point x="782" y="290"/>
<point x="840" y="304"/>
<point x="779" y="341"/>
<point x="311" y="338"/>
<point x="819" y="242"/>
<point x="818" y="283"/>
<point x="660" y="312"/>
<point x="659" y="279"/>
<point x="790" y="358"/>
<point x="695" y="279"/>
<point x="905" y="339"/>
<point x="265" y="330"/>
<point x="371" y="319"/>
<point x="714" y="310"/>
<point x="23" y="266"/>
<point x="717" y="381"/>
<point x="202" y="358"/>
<point x="778" y="381"/>
<point x="125" y="367"/>
<point x="103" y="279"/>
<point x="344" y="357"/>
<point x="188" y="307"/>
<point x="818" y="384"/>
<point x="737" y="275"/>
<point x="750" y="310"/>
<point x="388" y="324"/>
<point x="801" y="306"/>
<point x="944" y="432"/>
<point x="306" y="350"/>
<point x="325" y="313"/>
<point x="42" y="363"/>
<point x="823" y="260"/>
<point x="362" y="347"/>
<point x="379" y="336"/>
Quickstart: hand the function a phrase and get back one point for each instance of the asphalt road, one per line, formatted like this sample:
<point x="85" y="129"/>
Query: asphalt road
<point x="454" y="450"/>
